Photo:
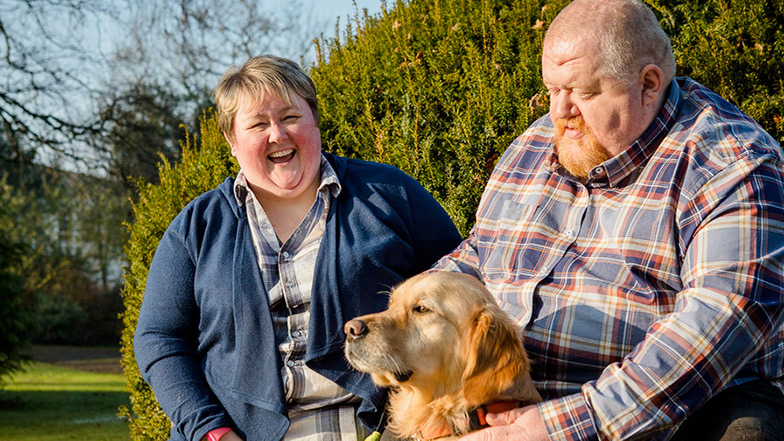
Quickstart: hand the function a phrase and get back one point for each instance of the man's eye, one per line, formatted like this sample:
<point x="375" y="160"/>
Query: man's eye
<point x="421" y="309"/>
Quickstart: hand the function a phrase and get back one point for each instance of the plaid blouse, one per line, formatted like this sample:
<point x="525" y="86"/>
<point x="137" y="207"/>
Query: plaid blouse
<point x="653" y="285"/>
<point x="317" y="408"/>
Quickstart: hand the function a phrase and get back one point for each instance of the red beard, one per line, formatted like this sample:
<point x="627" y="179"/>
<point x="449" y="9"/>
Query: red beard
<point x="578" y="156"/>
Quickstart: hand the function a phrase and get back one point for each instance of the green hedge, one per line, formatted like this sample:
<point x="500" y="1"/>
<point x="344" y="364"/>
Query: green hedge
<point x="437" y="88"/>
<point x="440" y="88"/>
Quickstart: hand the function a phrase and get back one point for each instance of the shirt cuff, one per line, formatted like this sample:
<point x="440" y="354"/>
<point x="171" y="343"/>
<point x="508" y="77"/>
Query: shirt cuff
<point x="216" y="434"/>
<point x="568" y="418"/>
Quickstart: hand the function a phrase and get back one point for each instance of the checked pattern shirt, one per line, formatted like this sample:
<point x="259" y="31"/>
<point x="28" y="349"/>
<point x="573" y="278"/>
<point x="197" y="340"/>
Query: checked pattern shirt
<point x="317" y="408"/>
<point x="652" y="285"/>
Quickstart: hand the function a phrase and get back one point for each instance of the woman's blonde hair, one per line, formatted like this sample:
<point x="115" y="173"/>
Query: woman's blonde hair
<point x="257" y="77"/>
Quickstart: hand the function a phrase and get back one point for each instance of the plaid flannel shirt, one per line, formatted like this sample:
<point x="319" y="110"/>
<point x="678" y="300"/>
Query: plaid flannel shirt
<point x="317" y="408"/>
<point x="653" y="285"/>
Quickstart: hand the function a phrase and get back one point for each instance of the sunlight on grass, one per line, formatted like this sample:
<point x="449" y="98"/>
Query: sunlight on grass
<point x="51" y="403"/>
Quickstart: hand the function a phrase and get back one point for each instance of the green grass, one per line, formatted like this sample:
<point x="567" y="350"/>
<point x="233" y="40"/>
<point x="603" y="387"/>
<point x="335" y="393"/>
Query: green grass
<point x="52" y="403"/>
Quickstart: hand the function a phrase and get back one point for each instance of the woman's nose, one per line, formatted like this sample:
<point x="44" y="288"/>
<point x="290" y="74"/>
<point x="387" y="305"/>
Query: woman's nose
<point x="277" y="133"/>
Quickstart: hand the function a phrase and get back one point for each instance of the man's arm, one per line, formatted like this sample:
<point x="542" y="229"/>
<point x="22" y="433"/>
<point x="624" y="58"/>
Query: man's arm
<point x="730" y="308"/>
<point x="463" y="259"/>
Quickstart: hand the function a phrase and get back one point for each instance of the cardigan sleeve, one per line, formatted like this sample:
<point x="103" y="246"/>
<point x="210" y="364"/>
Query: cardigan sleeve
<point x="166" y="339"/>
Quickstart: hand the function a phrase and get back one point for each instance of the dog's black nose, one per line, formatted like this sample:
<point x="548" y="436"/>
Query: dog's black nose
<point x="355" y="328"/>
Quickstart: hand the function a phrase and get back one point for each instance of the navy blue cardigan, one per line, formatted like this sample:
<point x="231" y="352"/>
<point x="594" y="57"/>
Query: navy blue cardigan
<point x="205" y="341"/>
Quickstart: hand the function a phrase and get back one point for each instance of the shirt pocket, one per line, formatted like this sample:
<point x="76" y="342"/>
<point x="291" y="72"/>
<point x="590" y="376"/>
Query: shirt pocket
<point x="501" y="235"/>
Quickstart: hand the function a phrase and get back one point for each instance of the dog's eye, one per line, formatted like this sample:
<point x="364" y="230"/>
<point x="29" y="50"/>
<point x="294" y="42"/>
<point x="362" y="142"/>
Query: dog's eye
<point x="421" y="309"/>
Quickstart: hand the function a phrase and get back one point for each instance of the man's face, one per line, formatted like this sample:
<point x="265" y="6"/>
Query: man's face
<point x="596" y="117"/>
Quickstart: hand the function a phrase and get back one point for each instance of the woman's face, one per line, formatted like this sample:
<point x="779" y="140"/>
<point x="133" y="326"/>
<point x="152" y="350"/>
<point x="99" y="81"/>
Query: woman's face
<point x="278" y="146"/>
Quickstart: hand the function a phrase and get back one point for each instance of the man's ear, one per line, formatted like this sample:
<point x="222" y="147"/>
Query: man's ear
<point x="653" y="85"/>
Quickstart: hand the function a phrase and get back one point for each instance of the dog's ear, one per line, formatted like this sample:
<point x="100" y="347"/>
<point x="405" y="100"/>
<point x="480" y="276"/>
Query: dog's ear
<point x="495" y="358"/>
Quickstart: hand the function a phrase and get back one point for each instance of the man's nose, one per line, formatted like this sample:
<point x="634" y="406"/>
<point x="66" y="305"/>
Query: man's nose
<point x="562" y="107"/>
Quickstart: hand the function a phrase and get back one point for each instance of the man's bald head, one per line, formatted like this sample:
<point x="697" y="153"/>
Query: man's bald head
<point x="627" y="34"/>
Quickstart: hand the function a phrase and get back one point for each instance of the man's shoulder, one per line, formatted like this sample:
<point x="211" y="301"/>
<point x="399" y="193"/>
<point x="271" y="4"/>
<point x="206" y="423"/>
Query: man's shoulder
<point x="712" y="126"/>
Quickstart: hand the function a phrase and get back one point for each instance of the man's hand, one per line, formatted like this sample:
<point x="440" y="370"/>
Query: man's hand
<point x="524" y="424"/>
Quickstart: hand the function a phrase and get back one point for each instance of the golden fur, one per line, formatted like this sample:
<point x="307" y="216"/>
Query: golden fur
<point x="444" y="347"/>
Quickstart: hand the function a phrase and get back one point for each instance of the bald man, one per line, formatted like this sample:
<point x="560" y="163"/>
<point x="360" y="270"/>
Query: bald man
<point x="636" y="232"/>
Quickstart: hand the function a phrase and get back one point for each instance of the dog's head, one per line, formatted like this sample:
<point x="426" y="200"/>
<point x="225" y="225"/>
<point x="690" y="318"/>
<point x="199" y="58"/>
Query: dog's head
<point x="443" y="335"/>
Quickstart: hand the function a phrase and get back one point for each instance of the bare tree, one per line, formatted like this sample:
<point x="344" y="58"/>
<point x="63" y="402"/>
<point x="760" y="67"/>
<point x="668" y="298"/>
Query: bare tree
<point x="50" y="62"/>
<point x="188" y="44"/>
<point x="64" y="62"/>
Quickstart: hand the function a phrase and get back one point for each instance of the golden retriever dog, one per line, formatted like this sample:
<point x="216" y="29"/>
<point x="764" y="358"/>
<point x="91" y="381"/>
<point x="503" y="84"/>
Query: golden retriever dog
<point x="448" y="353"/>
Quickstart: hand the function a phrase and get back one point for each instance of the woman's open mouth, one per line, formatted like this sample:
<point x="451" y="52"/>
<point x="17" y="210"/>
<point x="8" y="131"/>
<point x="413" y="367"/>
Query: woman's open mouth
<point x="282" y="156"/>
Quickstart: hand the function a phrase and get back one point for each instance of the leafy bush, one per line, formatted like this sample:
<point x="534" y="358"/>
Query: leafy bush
<point x="439" y="88"/>
<point x="66" y="260"/>
<point x="736" y="48"/>
<point x="62" y="319"/>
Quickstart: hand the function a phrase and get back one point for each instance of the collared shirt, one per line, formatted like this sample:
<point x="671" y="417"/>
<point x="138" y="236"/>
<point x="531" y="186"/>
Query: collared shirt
<point x="318" y="408"/>
<point x="652" y="285"/>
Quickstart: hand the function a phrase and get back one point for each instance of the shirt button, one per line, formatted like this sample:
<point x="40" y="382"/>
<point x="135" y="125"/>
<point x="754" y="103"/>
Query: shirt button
<point x="290" y="363"/>
<point x="544" y="270"/>
<point x="570" y="233"/>
<point x="289" y="284"/>
<point x="285" y="255"/>
<point x="296" y="334"/>
<point x="264" y="225"/>
<point x="598" y="170"/>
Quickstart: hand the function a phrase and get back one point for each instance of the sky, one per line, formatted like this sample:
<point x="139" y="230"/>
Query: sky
<point x="331" y="9"/>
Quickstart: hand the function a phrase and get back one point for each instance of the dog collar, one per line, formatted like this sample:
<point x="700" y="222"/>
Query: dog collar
<point x="477" y="419"/>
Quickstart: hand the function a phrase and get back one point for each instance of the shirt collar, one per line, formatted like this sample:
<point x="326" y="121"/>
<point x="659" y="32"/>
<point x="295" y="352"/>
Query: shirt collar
<point x="613" y="171"/>
<point x="329" y="180"/>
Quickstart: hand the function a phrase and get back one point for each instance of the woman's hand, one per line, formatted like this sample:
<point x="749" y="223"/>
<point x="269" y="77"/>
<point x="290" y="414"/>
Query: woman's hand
<point x="228" y="436"/>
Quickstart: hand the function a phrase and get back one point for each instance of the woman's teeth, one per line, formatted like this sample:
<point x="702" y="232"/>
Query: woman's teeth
<point x="281" y="156"/>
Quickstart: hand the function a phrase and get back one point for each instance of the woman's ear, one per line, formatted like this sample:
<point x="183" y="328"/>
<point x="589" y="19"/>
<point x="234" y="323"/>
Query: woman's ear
<point x="494" y="357"/>
<point x="231" y="143"/>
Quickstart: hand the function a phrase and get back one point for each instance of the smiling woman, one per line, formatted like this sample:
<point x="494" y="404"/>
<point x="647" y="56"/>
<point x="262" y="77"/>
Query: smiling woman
<point x="251" y="282"/>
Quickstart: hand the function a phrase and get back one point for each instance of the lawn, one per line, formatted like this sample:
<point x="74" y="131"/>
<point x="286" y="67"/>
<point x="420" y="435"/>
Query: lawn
<point x="53" y="403"/>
